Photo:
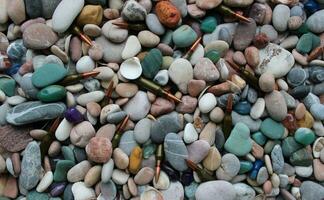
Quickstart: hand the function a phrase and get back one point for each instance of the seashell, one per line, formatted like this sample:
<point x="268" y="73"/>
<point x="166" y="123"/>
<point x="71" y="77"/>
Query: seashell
<point x="16" y="50"/>
<point x="131" y="68"/>
<point x="318" y="146"/>
<point x="151" y="193"/>
<point x="67" y="44"/>
<point x="108" y="190"/>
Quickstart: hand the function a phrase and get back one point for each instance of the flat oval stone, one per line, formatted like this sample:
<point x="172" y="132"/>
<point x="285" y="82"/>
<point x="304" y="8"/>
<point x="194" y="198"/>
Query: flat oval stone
<point x="151" y="63"/>
<point x="14" y="139"/>
<point x="48" y="74"/>
<point x="30" y="166"/>
<point x="184" y="36"/>
<point x="113" y="32"/>
<point x="280" y="17"/>
<point x="276" y="105"/>
<point x="272" y="129"/>
<point x="222" y="189"/>
<point x="181" y="73"/>
<point x="138" y="107"/>
<point x="65" y="13"/>
<point x="175" y="151"/>
<point x="61" y="170"/>
<point x="198" y="150"/>
<point x="244" y="35"/>
<point x="315" y="22"/>
<point x="205" y="70"/>
<point x="51" y="93"/>
<point x="39" y="36"/>
<point x="304" y="136"/>
<point x="127" y="142"/>
<point x="34" y="111"/>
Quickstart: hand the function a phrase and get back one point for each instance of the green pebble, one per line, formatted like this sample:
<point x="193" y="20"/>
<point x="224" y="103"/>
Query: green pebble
<point x="213" y="55"/>
<point x="191" y="189"/>
<point x="239" y="141"/>
<point x="259" y="138"/>
<point x="48" y="74"/>
<point x="148" y="150"/>
<point x="305" y="43"/>
<point x="316" y="41"/>
<point x="68" y="195"/>
<point x="151" y="63"/>
<point x="289" y="146"/>
<point x="301" y="157"/>
<point x="269" y="145"/>
<point x="167" y="38"/>
<point x="245" y="166"/>
<point x="302" y="29"/>
<point x="272" y="129"/>
<point x="52" y="93"/>
<point x="68" y="153"/>
<point x="8" y="85"/>
<point x="184" y="36"/>
<point x="62" y="167"/>
<point x="208" y="25"/>
<point x="304" y="136"/>
<point x="36" y="195"/>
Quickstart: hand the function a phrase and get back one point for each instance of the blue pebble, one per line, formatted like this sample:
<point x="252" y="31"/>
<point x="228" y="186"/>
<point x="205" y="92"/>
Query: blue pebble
<point x="256" y="167"/>
<point x="13" y="69"/>
<point x="16" y="50"/>
<point x="311" y="6"/>
<point x="317" y="111"/>
<point x="243" y="107"/>
<point x="296" y="11"/>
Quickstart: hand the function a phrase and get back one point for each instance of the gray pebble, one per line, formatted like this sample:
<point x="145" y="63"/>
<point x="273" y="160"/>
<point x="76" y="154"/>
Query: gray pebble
<point x="270" y="31"/>
<point x="142" y="130"/>
<point x="225" y="35"/>
<point x="175" y="151"/>
<point x="253" y="125"/>
<point x="296" y="76"/>
<point x="317" y="111"/>
<point x="116" y="117"/>
<point x="277" y="159"/>
<point x="127" y="142"/>
<point x="154" y="25"/>
<point x="162" y="77"/>
<point x="262" y="175"/>
<point x="252" y="95"/>
<point x="92" y="85"/>
<point x="310" y="100"/>
<point x="290" y="101"/>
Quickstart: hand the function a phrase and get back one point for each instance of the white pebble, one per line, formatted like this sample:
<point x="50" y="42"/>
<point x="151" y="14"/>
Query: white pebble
<point x="207" y="102"/>
<point x="45" y="182"/>
<point x="85" y="64"/>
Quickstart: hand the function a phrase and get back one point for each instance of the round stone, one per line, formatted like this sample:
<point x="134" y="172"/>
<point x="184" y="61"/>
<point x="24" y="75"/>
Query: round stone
<point x="99" y="149"/>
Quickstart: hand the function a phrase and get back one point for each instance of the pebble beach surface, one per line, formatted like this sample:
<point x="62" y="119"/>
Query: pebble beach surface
<point x="161" y="100"/>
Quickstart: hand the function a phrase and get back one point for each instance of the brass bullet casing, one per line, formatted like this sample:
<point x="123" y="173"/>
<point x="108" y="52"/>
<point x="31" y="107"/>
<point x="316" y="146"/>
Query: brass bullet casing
<point x="192" y="49"/>
<point x="227" y="121"/>
<point x="76" y="30"/>
<point x="159" y="154"/>
<point x="202" y="174"/>
<point x="250" y="78"/>
<point x="107" y="96"/>
<point x="49" y="138"/>
<point x="119" y="132"/>
<point x="75" y="78"/>
<point x="227" y="11"/>
<point x="156" y="89"/>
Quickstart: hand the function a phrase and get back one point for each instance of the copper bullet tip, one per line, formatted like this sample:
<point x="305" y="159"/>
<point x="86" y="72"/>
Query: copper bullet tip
<point x="242" y="18"/>
<point x="90" y="74"/>
<point x="174" y="98"/>
<point x="191" y="164"/>
<point x="157" y="173"/>
<point x="122" y="124"/>
<point x="229" y="103"/>
<point x="109" y="89"/>
<point x="54" y="125"/>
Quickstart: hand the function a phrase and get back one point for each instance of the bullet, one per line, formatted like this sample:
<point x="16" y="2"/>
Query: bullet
<point x="250" y="78"/>
<point x="156" y="89"/>
<point x="107" y="96"/>
<point x="76" y="30"/>
<point x="159" y="154"/>
<point x="315" y="53"/>
<point x="49" y="138"/>
<point x="202" y="174"/>
<point x="227" y="121"/>
<point x="192" y="49"/>
<point x="227" y="11"/>
<point x="75" y="78"/>
<point x="132" y="26"/>
<point x="119" y="132"/>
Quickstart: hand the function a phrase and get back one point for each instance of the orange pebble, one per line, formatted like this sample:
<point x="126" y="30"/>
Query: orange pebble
<point x="167" y="13"/>
<point x="135" y="160"/>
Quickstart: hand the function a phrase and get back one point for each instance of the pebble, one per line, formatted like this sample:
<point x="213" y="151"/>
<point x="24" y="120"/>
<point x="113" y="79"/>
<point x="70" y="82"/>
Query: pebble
<point x="127" y="142"/>
<point x="181" y="72"/>
<point x="244" y="34"/>
<point x="175" y="151"/>
<point x="275" y="132"/>
<point x="81" y="191"/>
<point x="240" y="137"/>
<point x="16" y="11"/>
<point x="144" y="176"/>
<point x="132" y="47"/>
<point x="30" y="167"/>
<point x="277" y="159"/>
<point x="223" y="189"/>
<point x="276" y="105"/>
<point x="184" y="36"/>
<point x="148" y="39"/>
<point x="39" y="36"/>
<point x="314" y="23"/>
<point x="154" y="25"/>
<point x="207" y="102"/>
<point x="311" y="190"/>
<point x="213" y="159"/>
<point x="198" y="150"/>
<point x="82" y="133"/>
<point x="205" y="70"/>
<point x="113" y="32"/>
<point x="65" y="13"/>
<point x="280" y="17"/>
<point x="138" y="107"/>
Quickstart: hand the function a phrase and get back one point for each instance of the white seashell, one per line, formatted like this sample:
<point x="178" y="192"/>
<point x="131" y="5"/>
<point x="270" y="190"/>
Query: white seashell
<point x="318" y="146"/>
<point x="151" y="193"/>
<point x="131" y="68"/>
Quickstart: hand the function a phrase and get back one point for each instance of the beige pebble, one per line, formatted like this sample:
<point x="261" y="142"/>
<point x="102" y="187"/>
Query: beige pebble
<point x="163" y="183"/>
<point x="213" y="159"/>
<point x="78" y="171"/>
<point x="45" y="182"/>
<point x="74" y="88"/>
<point x="93" y="176"/>
<point x="54" y="149"/>
<point x="252" y="56"/>
<point x="93" y="108"/>
<point x="267" y="82"/>
<point x="126" y="192"/>
<point x="144" y="176"/>
<point x="59" y="53"/>
<point x="268" y="164"/>
<point x="126" y="89"/>
<point x="121" y="159"/>
<point x="2" y="164"/>
<point x="300" y="111"/>
<point x="38" y="134"/>
<point x="15" y="158"/>
<point x="132" y="187"/>
<point x="82" y="133"/>
<point x="275" y="180"/>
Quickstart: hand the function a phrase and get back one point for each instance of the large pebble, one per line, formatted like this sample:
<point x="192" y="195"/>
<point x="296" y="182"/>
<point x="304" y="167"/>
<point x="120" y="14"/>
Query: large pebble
<point x="133" y="11"/>
<point x="82" y="133"/>
<point x="81" y="191"/>
<point x="207" y="102"/>
<point x="30" y="166"/>
<point x="222" y="189"/>
<point x="65" y="13"/>
<point x="276" y="105"/>
<point x="138" y="107"/>
<point x="181" y="73"/>
<point x="315" y="22"/>
<point x="39" y="36"/>
<point x="113" y="32"/>
<point x="175" y="151"/>
<point x="280" y="17"/>
<point x="132" y="47"/>
<point x="244" y="35"/>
